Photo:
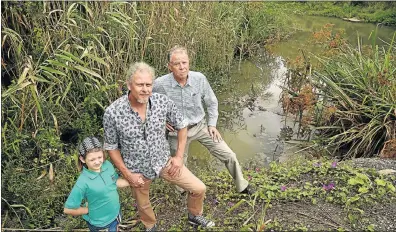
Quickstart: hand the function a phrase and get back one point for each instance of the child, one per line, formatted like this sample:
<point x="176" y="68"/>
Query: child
<point x="97" y="185"/>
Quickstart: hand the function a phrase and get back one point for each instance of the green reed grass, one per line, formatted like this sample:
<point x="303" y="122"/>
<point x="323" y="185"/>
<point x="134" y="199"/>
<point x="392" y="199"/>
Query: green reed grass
<point x="66" y="62"/>
<point x="361" y="84"/>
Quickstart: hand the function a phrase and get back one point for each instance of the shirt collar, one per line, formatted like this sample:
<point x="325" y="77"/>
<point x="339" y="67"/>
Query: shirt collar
<point x="91" y="174"/>
<point x="175" y="83"/>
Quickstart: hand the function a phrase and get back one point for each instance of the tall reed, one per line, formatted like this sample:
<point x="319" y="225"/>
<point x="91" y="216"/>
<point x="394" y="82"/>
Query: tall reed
<point x="361" y="85"/>
<point x="64" y="62"/>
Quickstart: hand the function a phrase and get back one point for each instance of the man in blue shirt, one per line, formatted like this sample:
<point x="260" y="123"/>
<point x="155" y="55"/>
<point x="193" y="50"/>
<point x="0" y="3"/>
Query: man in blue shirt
<point x="188" y="89"/>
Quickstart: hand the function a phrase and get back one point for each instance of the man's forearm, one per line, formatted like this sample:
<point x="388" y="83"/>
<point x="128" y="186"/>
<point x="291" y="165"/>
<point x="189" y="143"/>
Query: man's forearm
<point x="181" y="142"/>
<point x="116" y="157"/>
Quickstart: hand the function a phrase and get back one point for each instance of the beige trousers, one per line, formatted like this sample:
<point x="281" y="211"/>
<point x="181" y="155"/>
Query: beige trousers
<point x="219" y="149"/>
<point x="188" y="181"/>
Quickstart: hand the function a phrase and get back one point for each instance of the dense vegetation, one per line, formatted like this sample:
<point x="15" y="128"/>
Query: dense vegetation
<point x="347" y="102"/>
<point x="64" y="62"/>
<point x="376" y="12"/>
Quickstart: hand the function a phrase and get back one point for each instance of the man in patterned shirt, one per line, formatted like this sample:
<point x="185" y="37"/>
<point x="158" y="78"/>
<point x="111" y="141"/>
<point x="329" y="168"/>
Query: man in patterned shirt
<point x="188" y="89"/>
<point x="136" y="141"/>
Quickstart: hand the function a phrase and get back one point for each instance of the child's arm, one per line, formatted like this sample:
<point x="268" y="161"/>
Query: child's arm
<point x="73" y="203"/>
<point x="76" y="212"/>
<point x="121" y="183"/>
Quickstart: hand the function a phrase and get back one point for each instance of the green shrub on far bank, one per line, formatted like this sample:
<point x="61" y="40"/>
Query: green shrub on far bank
<point x="347" y="103"/>
<point x="360" y="84"/>
<point x="374" y="12"/>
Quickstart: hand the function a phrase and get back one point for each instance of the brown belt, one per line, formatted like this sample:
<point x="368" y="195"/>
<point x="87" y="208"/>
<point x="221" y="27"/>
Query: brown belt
<point x="191" y="126"/>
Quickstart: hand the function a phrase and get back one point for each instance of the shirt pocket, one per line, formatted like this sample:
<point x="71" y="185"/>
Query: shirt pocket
<point x="193" y="100"/>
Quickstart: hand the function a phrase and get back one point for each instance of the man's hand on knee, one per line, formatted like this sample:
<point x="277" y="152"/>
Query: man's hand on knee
<point x="215" y="134"/>
<point x="175" y="164"/>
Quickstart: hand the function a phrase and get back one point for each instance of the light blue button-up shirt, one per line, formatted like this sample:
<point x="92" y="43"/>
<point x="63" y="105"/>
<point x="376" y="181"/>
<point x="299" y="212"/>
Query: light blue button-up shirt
<point x="189" y="98"/>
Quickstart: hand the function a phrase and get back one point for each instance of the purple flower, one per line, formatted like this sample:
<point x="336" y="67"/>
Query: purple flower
<point x="230" y="204"/>
<point x="329" y="187"/>
<point x="215" y="201"/>
<point x="257" y="169"/>
<point x="318" y="164"/>
<point x="249" y="178"/>
<point x="135" y="205"/>
<point x="283" y="188"/>
<point x="334" y="164"/>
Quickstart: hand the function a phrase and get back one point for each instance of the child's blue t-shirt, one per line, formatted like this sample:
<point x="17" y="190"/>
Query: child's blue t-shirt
<point x="99" y="189"/>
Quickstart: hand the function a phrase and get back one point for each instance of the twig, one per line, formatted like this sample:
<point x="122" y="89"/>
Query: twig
<point x="338" y="224"/>
<point x="246" y="222"/>
<point x="5" y="219"/>
<point x="13" y="210"/>
<point x="312" y="217"/>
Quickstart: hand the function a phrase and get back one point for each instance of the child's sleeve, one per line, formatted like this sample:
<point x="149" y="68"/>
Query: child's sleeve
<point x="75" y="198"/>
<point x="120" y="182"/>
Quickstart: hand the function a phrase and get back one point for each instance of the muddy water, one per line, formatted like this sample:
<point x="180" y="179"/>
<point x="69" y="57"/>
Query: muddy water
<point x="250" y="116"/>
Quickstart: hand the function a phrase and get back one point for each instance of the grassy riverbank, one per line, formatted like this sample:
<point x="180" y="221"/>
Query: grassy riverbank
<point x="299" y="195"/>
<point x="374" y="12"/>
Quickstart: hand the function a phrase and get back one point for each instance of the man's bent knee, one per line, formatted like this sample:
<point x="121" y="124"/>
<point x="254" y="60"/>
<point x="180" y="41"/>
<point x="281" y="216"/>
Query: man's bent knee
<point x="200" y="189"/>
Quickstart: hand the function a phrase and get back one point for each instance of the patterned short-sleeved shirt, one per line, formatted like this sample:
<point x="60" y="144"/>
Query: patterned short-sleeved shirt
<point x="143" y="146"/>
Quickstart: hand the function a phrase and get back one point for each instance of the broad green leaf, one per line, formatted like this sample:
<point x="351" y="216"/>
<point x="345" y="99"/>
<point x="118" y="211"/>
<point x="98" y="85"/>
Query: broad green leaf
<point x="90" y="72"/>
<point x="380" y="182"/>
<point x="51" y="70"/>
<point x="363" y="190"/>
<point x="15" y="88"/>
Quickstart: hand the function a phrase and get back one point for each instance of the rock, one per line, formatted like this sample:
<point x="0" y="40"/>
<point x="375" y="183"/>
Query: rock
<point x="352" y="19"/>
<point x="386" y="171"/>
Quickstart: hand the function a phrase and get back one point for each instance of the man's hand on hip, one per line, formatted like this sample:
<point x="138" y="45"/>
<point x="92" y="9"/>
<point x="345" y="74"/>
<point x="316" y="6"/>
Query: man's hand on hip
<point x="169" y="127"/>
<point x="175" y="164"/>
<point x="215" y="134"/>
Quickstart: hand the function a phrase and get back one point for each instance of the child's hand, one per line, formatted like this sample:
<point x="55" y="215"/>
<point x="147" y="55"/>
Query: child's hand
<point x="121" y="183"/>
<point x="136" y="180"/>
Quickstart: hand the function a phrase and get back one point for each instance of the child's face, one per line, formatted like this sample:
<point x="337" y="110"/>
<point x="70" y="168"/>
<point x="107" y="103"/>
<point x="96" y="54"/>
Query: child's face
<point x="93" y="160"/>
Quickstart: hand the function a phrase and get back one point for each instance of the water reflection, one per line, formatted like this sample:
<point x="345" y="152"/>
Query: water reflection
<point x="250" y="117"/>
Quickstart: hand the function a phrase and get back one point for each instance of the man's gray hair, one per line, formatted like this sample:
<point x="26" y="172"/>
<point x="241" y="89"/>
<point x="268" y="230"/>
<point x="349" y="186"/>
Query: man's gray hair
<point x="176" y="48"/>
<point x="139" y="67"/>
